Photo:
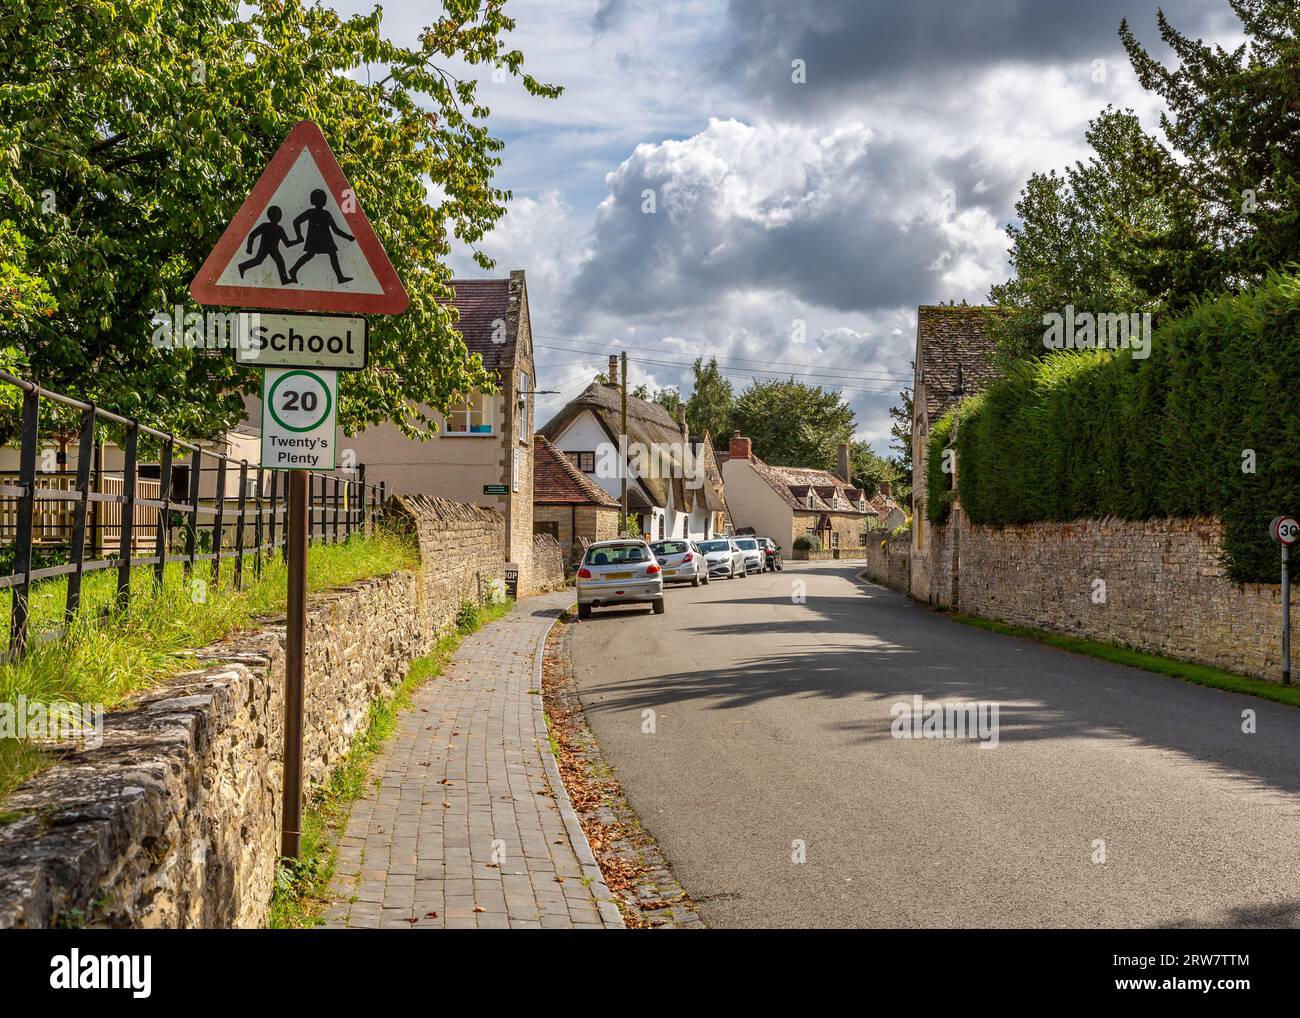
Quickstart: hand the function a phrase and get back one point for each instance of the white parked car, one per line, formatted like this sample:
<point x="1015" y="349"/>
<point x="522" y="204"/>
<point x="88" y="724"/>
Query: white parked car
<point x="682" y="562"/>
<point x="619" y="572"/>
<point x="755" y="554"/>
<point x="723" y="557"/>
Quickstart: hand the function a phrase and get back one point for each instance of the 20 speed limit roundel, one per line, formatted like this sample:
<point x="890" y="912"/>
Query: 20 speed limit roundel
<point x="300" y="401"/>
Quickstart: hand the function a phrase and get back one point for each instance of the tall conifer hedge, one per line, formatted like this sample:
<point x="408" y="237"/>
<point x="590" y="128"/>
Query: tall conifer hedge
<point x="1082" y="434"/>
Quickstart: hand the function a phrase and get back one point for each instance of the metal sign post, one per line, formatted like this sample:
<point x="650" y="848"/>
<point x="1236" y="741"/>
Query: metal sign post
<point x="333" y="267"/>
<point x="1285" y="531"/>
<point x="294" y="646"/>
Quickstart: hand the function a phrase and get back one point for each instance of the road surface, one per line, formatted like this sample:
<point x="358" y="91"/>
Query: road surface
<point x="772" y="730"/>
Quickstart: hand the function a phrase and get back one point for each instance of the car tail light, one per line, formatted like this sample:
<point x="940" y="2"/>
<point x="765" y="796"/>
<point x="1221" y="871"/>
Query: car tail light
<point x="688" y="557"/>
<point x="651" y="569"/>
<point x="585" y="574"/>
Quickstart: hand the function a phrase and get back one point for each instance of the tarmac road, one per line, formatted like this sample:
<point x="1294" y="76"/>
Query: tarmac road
<point x="772" y="727"/>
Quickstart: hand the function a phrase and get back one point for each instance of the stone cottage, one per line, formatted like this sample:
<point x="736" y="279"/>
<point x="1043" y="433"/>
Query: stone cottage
<point x="482" y="451"/>
<point x="784" y="503"/>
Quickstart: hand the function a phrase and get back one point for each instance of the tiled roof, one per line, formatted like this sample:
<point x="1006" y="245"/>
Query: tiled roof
<point x="482" y="303"/>
<point x="794" y="484"/>
<point x="880" y="506"/>
<point x="945" y="336"/>
<point x="556" y="479"/>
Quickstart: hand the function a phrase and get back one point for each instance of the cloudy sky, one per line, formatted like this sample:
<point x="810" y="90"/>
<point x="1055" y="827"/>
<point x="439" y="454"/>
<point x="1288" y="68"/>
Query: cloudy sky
<point x="795" y="225"/>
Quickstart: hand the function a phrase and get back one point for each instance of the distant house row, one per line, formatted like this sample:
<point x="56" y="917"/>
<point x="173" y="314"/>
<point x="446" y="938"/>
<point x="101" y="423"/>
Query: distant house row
<point x="566" y="478"/>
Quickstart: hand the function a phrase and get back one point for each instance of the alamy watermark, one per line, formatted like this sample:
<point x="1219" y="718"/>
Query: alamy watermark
<point x="938" y="719"/>
<point x="655" y="460"/>
<point x="37" y="721"/>
<point x="1083" y="330"/>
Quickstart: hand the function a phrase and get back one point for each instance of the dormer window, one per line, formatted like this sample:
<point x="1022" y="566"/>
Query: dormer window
<point x="809" y="500"/>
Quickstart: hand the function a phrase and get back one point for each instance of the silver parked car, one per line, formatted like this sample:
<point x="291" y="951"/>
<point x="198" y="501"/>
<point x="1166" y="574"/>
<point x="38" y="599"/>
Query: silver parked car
<point x="682" y="560"/>
<point x="619" y="572"/>
<point x="755" y="554"/>
<point x="723" y="557"/>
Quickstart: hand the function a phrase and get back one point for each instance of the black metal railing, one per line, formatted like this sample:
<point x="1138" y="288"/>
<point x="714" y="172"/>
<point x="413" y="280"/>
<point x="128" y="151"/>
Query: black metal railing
<point x="125" y="517"/>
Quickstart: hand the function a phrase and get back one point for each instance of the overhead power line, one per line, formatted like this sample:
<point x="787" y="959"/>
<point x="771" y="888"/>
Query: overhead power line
<point x="843" y="379"/>
<point x="582" y="346"/>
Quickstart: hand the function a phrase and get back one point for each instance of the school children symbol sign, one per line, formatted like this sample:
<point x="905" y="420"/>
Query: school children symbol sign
<point x="301" y="242"/>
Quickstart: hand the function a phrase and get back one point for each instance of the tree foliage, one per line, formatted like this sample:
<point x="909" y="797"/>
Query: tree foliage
<point x="710" y="405"/>
<point x="794" y="424"/>
<point x="1147" y="224"/>
<point x="901" y="416"/>
<point x="131" y="131"/>
<point x="867" y="469"/>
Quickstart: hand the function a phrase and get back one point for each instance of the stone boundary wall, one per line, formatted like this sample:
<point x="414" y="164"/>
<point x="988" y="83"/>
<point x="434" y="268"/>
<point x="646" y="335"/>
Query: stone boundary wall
<point x="548" y="564"/>
<point x="174" y="821"/>
<point x="1165" y="587"/>
<point x="889" y="559"/>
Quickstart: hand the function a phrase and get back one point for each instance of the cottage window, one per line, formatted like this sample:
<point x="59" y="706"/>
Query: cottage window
<point x="835" y="539"/>
<point x="473" y="417"/>
<point x="584" y="461"/>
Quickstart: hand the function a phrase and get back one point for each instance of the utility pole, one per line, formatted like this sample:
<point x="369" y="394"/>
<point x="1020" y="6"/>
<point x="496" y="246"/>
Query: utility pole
<point x="622" y="439"/>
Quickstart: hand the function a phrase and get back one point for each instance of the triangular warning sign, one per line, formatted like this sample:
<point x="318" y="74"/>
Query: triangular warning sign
<point x="301" y="242"/>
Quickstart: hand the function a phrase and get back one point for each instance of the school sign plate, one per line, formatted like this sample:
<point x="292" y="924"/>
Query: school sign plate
<point x="269" y="339"/>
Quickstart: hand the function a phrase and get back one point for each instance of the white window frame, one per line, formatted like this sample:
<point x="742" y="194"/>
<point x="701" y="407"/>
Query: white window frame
<point x="515" y="467"/>
<point x="485" y="410"/>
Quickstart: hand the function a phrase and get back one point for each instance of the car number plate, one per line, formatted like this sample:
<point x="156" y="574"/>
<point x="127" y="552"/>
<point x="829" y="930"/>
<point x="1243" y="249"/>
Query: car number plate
<point x="618" y="576"/>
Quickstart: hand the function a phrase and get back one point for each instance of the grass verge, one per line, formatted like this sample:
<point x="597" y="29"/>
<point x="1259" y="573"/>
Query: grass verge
<point x="107" y="654"/>
<point x="1201" y="675"/>
<point x="302" y="885"/>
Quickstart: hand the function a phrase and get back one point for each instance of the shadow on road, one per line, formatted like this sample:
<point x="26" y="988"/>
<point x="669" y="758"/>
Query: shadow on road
<point x="875" y="643"/>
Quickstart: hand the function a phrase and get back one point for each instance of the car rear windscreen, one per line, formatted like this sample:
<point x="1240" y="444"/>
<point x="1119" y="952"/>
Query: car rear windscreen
<point x="617" y="555"/>
<point x="670" y="547"/>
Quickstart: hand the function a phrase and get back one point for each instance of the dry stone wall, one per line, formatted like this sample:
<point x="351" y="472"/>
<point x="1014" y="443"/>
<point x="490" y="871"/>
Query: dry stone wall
<point x="1155" y="585"/>
<point x="174" y="821"/>
<point x="888" y="559"/>
<point x="547" y="571"/>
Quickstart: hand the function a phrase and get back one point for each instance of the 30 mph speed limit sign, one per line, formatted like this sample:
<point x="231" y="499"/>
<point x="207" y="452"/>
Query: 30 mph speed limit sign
<point x="1284" y="530"/>
<point x="299" y="418"/>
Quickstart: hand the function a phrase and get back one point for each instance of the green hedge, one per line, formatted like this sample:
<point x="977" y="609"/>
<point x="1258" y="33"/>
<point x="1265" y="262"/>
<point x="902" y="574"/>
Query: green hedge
<point x="939" y="494"/>
<point x="1082" y="434"/>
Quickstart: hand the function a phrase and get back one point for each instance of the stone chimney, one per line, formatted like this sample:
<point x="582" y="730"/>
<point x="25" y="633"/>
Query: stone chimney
<point x="681" y="424"/>
<point x="740" y="448"/>
<point x="884" y="488"/>
<point x="613" y="369"/>
<point x="845" y="473"/>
